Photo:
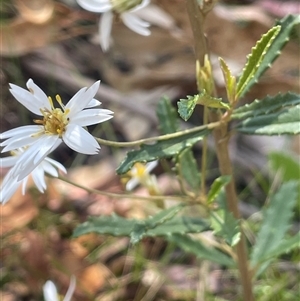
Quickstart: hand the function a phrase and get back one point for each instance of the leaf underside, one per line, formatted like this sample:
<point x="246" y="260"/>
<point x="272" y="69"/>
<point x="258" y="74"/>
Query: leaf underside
<point x="267" y="105"/>
<point x="286" y="121"/>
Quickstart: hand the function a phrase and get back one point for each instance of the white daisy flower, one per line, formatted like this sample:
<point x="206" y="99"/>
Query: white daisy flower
<point x="50" y="291"/>
<point x="126" y="10"/>
<point x="10" y="184"/>
<point x="62" y="124"/>
<point x="140" y="174"/>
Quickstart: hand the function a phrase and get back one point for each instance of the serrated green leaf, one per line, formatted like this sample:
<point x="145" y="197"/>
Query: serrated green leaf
<point x="288" y="166"/>
<point x="286" y="121"/>
<point x="197" y="248"/>
<point x="161" y="149"/>
<point x="286" y="246"/>
<point x="226" y="226"/>
<point x="255" y="59"/>
<point x="287" y="24"/>
<point x="186" y="106"/>
<point x="230" y="80"/>
<point x="276" y="222"/>
<point x="181" y="225"/>
<point x="114" y="225"/>
<point x="162" y="216"/>
<point x="137" y="229"/>
<point x="216" y="187"/>
<point x="188" y="170"/>
<point x="267" y="105"/>
<point x="167" y="116"/>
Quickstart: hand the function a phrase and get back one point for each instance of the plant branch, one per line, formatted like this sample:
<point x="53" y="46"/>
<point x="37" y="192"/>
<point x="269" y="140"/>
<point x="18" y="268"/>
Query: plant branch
<point x="209" y="126"/>
<point x="197" y="16"/>
<point x="124" y="196"/>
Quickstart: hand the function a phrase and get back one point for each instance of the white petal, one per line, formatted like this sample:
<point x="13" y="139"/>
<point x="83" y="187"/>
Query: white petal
<point x="38" y="177"/>
<point x="22" y="130"/>
<point x="8" y="161"/>
<point x="26" y="99"/>
<point x="151" y="165"/>
<point x="92" y="116"/>
<point x="75" y="99"/>
<point x="80" y="140"/>
<point x="131" y="184"/>
<point x="97" y="6"/>
<point x="8" y="187"/>
<point x="14" y="143"/>
<point x="71" y="289"/>
<point x="105" y="26"/>
<point x="56" y="164"/>
<point x="76" y="104"/>
<point x="93" y="103"/>
<point x="140" y="6"/>
<point x="49" y="169"/>
<point x="34" y="155"/>
<point x="39" y="94"/>
<point x="50" y="292"/>
<point x="156" y="16"/>
<point x="135" y="24"/>
<point x="24" y="183"/>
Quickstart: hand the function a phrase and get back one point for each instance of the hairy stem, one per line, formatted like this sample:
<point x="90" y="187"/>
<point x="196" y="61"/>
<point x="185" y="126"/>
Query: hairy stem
<point x="221" y="137"/>
<point x="221" y="141"/>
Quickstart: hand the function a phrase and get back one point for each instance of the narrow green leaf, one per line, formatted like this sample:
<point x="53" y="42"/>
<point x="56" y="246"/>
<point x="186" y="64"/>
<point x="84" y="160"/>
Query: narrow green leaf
<point x="186" y="106"/>
<point x="226" y="226"/>
<point x="287" y="24"/>
<point x="267" y="105"/>
<point x="161" y="149"/>
<point x="286" y="164"/>
<point x="255" y="59"/>
<point x="114" y="225"/>
<point x="163" y="216"/>
<point x="137" y="229"/>
<point x="167" y="116"/>
<point x="216" y="187"/>
<point x="197" y="248"/>
<point x="188" y="170"/>
<point x="206" y="100"/>
<point x="141" y="227"/>
<point x="286" y="121"/>
<point x="276" y="222"/>
<point x="230" y="80"/>
<point x="288" y="167"/>
<point x="181" y="225"/>
<point x="286" y="246"/>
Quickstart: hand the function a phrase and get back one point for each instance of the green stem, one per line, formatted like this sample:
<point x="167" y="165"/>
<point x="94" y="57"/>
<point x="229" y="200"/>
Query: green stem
<point x="204" y="155"/>
<point x="209" y="126"/>
<point x="124" y="196"/>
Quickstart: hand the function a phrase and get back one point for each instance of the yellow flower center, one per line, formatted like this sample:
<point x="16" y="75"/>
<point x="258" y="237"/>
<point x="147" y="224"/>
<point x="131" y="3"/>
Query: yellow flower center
<point x="55" y="120"/>
<point x="121" y="6"/>
<point x="139" y="171"/>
